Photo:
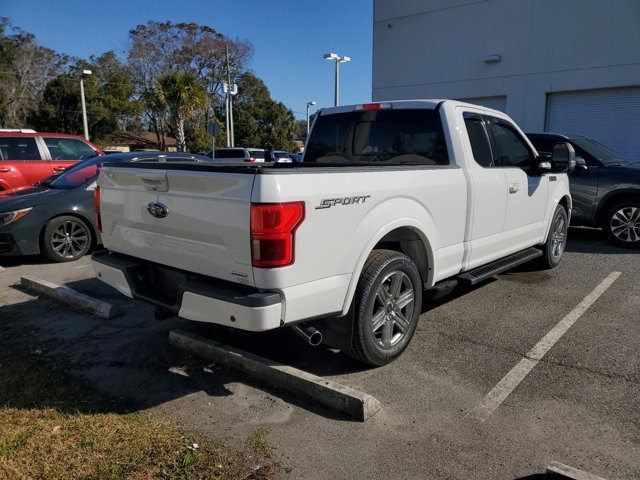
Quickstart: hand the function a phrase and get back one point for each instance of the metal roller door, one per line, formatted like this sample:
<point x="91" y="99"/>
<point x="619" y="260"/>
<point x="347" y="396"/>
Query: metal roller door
<point x="611" y="116"/>
<point x="497" y="103"/>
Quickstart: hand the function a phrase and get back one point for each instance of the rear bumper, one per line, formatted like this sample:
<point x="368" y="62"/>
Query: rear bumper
<point x="190" y="296"/>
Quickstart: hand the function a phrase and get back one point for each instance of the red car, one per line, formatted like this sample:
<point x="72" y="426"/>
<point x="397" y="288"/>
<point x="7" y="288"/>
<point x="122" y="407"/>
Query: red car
<point x="26" y="157"/>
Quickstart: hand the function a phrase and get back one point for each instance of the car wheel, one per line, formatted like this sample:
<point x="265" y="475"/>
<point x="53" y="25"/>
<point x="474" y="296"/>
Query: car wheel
<point x="386" y="307"/>
<point x="553" y="248"/>
<point x="66" y="239"/>
<point x="621" y="223"/>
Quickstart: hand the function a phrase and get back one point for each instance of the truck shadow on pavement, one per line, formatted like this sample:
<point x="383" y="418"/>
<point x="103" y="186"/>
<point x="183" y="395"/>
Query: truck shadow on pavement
<point x="129" y="359"/>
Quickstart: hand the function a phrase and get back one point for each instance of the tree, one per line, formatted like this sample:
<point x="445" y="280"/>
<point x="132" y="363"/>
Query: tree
<point x="59" y="108"/>
<point x="25" y="70"/>
<point x="109" y="101"/>
<point x="260" y="121"/>
<point x="158" y="48"/>
<point x="183" y="95"/>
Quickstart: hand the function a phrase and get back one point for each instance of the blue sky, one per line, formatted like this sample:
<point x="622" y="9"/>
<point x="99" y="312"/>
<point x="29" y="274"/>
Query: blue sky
<point x="289" y="37"/>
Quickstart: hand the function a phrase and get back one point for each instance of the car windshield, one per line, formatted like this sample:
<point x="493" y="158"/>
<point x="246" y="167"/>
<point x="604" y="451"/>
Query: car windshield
<point x="598" y="150"/>
<point x="76" y="175"/>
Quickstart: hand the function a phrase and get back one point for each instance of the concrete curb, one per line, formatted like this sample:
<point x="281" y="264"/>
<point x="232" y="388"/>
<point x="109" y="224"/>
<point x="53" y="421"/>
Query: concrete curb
<point x="2" y="269"/>
<point x="70" y="297"/>
<point x="559" y="471"/>
<point x="349" y="401"/>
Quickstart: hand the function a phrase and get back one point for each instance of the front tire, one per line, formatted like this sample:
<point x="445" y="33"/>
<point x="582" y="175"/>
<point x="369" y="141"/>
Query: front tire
<point x="386" y="307"/>
<point x="621" y="223"/>
<point x="553" y="248"/>
<point x="66" y="239"/>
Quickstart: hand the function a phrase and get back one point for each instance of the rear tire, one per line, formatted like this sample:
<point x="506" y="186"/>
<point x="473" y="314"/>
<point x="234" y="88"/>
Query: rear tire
<point x="66" y="239"/>
<point x="553" y="248"/>
<point x="621" y="223"/>
<point x="386" y="307"/>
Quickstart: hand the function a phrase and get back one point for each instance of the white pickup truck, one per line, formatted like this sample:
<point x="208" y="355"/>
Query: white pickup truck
<point x="391" y="200"/>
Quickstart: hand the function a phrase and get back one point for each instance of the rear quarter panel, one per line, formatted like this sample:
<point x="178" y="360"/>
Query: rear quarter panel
<point x="333" y="243"/>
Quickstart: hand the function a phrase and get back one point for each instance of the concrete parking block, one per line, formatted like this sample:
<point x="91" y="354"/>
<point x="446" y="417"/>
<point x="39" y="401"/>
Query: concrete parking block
<point x="559" y="471"/>
<point x="69" y="296"/>
<point x="349" y="401"/>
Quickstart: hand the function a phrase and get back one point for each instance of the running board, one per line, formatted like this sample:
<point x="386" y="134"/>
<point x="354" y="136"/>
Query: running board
<point x="487" y="271"/>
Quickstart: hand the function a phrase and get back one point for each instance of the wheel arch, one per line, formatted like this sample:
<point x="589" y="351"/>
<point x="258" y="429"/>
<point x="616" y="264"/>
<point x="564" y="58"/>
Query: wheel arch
<point x="612" y="198"/>
<point x="408" y="238"/>
<point x="565" y="201"/>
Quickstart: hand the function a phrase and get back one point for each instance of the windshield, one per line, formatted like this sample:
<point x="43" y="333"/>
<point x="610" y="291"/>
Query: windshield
<point x="597" y="150"/>
<point x="76" y="175"/>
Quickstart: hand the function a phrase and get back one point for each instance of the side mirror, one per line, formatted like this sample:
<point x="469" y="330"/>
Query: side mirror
<point x="563" y="157"/>
<point x="581" y="165"/>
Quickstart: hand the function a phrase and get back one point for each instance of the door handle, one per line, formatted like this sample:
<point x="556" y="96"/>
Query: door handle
<point x="154" y="182"/>
<point x="513" y="188"/>
<point x="5" y="169"/>
<point x="58" y="169"/>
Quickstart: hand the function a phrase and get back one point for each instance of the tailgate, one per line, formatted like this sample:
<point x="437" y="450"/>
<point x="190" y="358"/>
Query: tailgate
<point x="194" y="220"/>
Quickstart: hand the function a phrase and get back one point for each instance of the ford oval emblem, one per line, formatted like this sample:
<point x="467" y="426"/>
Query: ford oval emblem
<point x="158" y="210"/>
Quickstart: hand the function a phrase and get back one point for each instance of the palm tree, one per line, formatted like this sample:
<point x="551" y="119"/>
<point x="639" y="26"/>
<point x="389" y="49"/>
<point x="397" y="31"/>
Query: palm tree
<point x="183" y="94"/>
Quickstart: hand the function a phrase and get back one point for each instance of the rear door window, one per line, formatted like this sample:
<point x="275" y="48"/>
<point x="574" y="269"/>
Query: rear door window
<point x="480" y="145"/>
<point x="19" y="148"/>
<point x="378" y="137"/>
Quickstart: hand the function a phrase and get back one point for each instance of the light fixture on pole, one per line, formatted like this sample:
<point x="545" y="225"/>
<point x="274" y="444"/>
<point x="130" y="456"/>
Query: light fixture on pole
<point x="338" y="59"/>
<point x="85" y="73"/>
<point x="308" y="105"/>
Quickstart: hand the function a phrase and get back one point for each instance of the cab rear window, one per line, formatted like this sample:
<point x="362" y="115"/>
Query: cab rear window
<point x="229" y="153"/>
<point x="378" y="137"/>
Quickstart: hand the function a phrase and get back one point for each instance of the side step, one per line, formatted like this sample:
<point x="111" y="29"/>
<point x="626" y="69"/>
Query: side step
<point x="484" y="272"/>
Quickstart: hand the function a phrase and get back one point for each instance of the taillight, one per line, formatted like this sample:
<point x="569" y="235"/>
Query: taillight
<point x="250" y="159"/>
<point x="273" y="227"/>
<point x="96" y="204"/>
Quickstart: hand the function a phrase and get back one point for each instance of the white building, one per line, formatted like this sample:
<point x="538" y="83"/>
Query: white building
<point x="568" y="66"/>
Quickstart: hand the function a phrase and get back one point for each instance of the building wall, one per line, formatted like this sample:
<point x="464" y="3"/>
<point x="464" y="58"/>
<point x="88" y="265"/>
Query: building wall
<point x="437" y="49"/>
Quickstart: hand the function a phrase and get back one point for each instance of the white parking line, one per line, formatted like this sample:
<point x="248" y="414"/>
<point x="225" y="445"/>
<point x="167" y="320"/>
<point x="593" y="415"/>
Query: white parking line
<point x="512" y="379"/>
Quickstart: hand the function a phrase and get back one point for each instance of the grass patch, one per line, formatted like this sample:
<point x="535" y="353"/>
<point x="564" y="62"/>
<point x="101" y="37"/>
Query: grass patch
<point x="56" y="427"/>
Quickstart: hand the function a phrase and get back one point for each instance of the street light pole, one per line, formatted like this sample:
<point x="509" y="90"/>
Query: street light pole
<point x="85" y="73"/>
<point x="338" y="59"/>
<point x="308" y="105"/>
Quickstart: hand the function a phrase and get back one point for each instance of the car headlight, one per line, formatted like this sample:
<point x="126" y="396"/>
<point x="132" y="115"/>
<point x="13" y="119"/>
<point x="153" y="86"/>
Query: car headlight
<point x="9" y="217"/>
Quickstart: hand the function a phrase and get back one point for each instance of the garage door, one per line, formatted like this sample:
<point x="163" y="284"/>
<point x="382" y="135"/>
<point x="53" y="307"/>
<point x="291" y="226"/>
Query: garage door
<point x="611" y="116"/>
<point x="497" y="103"/>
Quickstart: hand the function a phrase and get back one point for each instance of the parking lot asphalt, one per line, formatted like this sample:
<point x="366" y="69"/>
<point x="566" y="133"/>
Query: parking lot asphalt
<point x="578" y="404"/>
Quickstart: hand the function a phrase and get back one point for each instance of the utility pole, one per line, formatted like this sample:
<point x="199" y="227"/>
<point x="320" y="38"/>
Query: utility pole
<point x="85" y="73"/>
<point x="230" y="139"/>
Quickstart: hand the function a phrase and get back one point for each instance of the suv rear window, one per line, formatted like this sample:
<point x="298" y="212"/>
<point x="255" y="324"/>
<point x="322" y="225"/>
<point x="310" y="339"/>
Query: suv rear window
<point x="378" y="137"/>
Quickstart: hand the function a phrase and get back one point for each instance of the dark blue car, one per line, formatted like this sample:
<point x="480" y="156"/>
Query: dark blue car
<point x="56" y="216"/>
<point x="605" y="189"/>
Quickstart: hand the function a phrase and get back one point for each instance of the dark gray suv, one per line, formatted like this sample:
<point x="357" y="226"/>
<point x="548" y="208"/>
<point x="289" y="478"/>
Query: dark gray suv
<point x="605" y="188"/>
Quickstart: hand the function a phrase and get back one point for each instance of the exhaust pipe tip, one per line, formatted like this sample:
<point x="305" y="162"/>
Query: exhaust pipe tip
<point x="312" y="335"/>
